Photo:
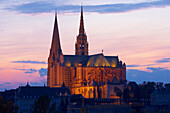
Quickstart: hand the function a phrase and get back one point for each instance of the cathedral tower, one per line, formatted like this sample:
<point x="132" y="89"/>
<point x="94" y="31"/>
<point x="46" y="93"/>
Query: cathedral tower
<point x="81" y="46"/>
<point x="55" y="58"/>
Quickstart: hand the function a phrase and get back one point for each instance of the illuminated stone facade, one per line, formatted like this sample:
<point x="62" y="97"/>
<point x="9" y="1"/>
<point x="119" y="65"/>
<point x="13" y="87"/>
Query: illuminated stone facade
<point x="93" y="76"/>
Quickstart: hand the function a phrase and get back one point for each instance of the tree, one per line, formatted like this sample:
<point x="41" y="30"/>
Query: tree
<point x="126" y="94"/>
<point x="62" y="106"/>
<point x="162" y="111"/>
<point x="6" y="107"/>
<point x="144" y="90"/>
<point x="42" y="104"/>
<point x="132" y="111"/>
<point x="159" y="85"/>
<point x="167" y="85"/>
<point x="118" y="92"/>
<point x="52" y="109"/>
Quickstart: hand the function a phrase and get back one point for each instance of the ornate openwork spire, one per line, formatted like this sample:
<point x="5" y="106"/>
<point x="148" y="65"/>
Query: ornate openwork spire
<point x="81" y="29"/>
<point x="81" y="46"/>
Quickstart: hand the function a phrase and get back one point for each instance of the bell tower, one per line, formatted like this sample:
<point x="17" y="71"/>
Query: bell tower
<point x="55" y="59"/>
<point x="81" y="46"/>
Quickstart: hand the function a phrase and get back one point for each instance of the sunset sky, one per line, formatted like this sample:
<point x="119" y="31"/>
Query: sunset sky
<point x="138" y="31"/>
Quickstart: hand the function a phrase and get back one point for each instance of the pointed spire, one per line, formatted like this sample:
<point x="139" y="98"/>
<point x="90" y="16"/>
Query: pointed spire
<point x="27" y="84"/>
<point x="115" y="80"/>
<point x="63" y="85"/>
<point x="81" y="29"/>
<point x="81" y="46"/>
<point x="55" y="46"/>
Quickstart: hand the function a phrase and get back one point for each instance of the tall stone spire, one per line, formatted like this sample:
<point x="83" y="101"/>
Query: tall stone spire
<point x="55" y="45"/>
<point x="56" y="54"/>
<point x="81" y="46"/>
<point x="55" y="58"/>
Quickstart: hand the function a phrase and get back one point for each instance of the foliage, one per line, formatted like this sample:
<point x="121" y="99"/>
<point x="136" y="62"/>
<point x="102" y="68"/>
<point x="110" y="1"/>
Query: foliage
<point x="42" y="104"/>
<point x="118" y="92"/>
<point x="159" y="85"/>
<point x="132" y="111"/>
<point x="6" y="107"/>
<point x="167" y="85"/>
<point x="126" y="94"/>
<point x="52" y="109"/>
<point x="145" y="89"/>
<point x="142" y="91"/>
<point x="162" y="111"/>
<point x="63" y="107"/>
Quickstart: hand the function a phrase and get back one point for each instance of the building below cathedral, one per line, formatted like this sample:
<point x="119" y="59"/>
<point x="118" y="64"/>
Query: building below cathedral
<point x="93" y="76"/>
<point x="25" y="98"/>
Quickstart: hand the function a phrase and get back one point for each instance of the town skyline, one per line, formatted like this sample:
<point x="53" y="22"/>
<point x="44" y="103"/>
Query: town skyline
<point x="139" y="36"/>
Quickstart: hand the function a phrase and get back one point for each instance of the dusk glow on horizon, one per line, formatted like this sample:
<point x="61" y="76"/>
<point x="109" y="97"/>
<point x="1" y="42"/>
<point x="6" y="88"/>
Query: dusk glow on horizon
<point x="138" y="32"/>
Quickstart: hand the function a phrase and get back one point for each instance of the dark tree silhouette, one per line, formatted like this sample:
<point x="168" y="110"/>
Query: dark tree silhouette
<point x="167" y="85"/>
<point x="62" y="107"/>
<point x="42" y="104"/>
<point x="159" y="85"/>
<point x="144" y="90"/>
<point x="6" y="107"/>
<point x="118" y="92"/>
<point x="126" y="94"/>
<point x="52" y="108"/>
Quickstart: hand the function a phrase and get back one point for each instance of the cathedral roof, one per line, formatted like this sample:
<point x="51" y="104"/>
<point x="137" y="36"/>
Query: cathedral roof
<point x="97" y="60"/>
<point x="40" y="90"/>
<point x="91" y="60"/>
<point x="75" y="60"/>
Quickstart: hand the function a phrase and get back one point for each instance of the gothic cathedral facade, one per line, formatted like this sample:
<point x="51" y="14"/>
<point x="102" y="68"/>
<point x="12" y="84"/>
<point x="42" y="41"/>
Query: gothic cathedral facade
<point x="93" y="76"/>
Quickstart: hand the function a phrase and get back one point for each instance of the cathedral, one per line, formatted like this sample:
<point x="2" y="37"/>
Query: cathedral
<point x="93" y="76"/>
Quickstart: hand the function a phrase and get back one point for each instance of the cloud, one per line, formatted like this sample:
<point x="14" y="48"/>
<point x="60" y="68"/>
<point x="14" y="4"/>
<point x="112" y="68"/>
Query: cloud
<point x="30" y="71"/>
<point x="1" y="84"/>
<point x="27" y="71"/>
<point x="38" y="84"/>
<point x="4" y="84"/>
<point x="7" y="83"/>
<point x="134" y="65"/>
<point x="48" y="6"/>
<point x="30" y="62"/>
<point x="19" y="69"/>
<point x="163" y="60"/>
<point x="43" y="72"/>
<point x="156" y="74"/>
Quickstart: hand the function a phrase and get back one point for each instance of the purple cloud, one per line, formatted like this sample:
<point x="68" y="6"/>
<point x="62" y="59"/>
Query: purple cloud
<point x="30" y="62"/>
<point x="28" y="71"/>
<point x="48" y="6"/>
<point x="156" y="75"/>
<point x="163" y="60"/>
<point x="43" y="72"/>
<point x="134" y="65"/>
